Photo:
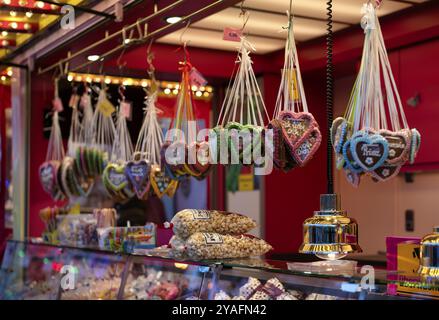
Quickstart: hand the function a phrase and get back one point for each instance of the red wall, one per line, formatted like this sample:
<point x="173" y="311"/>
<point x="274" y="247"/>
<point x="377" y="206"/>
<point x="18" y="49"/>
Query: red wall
<point x="292" y="197"/>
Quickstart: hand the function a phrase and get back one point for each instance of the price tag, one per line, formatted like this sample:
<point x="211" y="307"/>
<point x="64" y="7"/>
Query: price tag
<point x="201" y="214"/>
<point x="125" y="109"/>
<point x="213" y="238"/>
<point x="196" y="78"/>
<point x="106" y="107"/>
<point x="231" y="34"/>
<point x="57" y="105"/>
<point x="292" y="83"/>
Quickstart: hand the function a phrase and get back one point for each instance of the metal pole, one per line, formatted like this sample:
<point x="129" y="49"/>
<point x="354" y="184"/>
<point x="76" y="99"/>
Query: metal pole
<point x="118" y="33"/>
<point x="149" y="36"/>
<point x="83" y="9"/>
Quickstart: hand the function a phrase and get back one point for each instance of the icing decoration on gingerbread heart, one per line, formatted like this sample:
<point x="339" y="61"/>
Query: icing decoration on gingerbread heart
<point x="296" y="126"/>
<point x="369" y="151"/>
<point x="48" y="176"/>
<point x="415" y="144"/>
<point x="138" y="174"/>
<point x="349" y="161"/>
<point x="307" y="146"/>
<point x="385" y="172"/>
<point x="399" y="145"/>
<point x="162" y="184"/>
<point x="352" y="177"/>
<point x="339" y="130"/>
<point x="115" y="177"/>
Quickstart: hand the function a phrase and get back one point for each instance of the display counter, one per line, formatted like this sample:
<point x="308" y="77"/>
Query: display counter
<point x="41" y="271"/>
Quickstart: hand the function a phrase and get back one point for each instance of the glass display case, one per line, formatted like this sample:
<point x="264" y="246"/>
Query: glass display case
<point x="40" y="271"/>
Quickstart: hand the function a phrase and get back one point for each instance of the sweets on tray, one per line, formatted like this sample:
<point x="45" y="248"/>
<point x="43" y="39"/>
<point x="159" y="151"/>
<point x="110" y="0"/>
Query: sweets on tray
<point x="204" y="245"/>
<point x="127" y="238"/>
<point x="77" y="229"/>
<point x="189" y="221"/>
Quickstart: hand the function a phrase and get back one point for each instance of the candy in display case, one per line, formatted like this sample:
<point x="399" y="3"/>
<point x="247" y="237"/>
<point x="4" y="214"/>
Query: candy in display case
<point x="30" y="272"/>
<point x="41" y="271"/>
<point x="153" y="278"/>
<point x="91" y="275"/>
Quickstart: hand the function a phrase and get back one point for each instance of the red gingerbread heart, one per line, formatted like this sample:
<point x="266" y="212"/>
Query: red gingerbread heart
<point x="296" y="126"/>
<point x="307" y="146"/>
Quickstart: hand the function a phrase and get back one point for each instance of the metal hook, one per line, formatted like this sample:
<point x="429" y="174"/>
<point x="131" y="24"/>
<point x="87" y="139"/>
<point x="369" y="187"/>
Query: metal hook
<point x="245" y="14"/>
<point x="184" y="31"/>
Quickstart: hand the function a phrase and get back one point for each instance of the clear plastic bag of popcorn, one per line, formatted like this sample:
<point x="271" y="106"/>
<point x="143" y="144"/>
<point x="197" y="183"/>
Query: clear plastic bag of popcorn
<point x="206" y="245"/>
<point x="189" y="221"/>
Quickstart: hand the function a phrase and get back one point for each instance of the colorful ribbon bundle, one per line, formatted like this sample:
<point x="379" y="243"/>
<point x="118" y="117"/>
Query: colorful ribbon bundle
<point x="296" y="134"/>
<point x="363" y="140"/>
<point x="182" y="155"/>
<point x="114" y="177"/>
<point x="90" y="157"/>
<point x="240" y="127"/>
<point x="49" y="171"/>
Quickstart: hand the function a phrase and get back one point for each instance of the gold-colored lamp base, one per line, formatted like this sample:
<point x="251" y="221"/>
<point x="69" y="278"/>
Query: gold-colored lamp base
<point x="330" y="232"/>
<point x="429" y="263"/>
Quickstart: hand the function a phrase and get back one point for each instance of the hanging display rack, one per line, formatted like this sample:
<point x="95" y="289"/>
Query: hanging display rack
<point x="141" y="26"/>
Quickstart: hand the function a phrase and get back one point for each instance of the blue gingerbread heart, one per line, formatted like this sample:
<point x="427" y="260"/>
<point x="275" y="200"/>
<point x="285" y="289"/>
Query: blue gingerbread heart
<point x="349" y="162"/>
<point x="369" y="150"/>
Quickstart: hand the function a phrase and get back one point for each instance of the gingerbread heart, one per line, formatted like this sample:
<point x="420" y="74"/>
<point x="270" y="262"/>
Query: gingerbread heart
<point x="296" y="126"/>
<point x="339" y="132"/>
<point x="414" y="145"/>
<point x="352" y="177"/>
<point x="369" y="151"/>
<point x="48" y="176"/>
<point x="115" y="177"/>
<point x="349" y="161"/>
<point x="385" y="172"/>
<point x="307" y="146"/>
<point x="138" y="174"/>
<point x="162" y="184"/>
<point x="399" y="145"/>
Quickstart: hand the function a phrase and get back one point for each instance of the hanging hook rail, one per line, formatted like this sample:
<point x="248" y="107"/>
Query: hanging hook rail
<point x="114" y="35"/>
<point x="150" y="35"/>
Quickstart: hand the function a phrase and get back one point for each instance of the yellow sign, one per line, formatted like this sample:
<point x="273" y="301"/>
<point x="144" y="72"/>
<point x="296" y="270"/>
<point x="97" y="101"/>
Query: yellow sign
<point x="246" y="182"/>
<point x="106" y="107"/>
<point x="75" y="209"/>
<point x="409" y="281"/>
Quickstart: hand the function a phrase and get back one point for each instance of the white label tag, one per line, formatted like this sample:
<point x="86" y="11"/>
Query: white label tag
<point x="201" y="214"/>
<point x="213" y="238"/>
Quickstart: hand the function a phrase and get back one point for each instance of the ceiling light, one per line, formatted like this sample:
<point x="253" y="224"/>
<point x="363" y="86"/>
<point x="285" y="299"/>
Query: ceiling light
<point x="172" y="20"/>
<point x="4" y="33"/>
<point x="14" y="25"/>
<point x="7" y="1"/>
<point x="127" y="41"/>
<point x="167" y="91"/>
<point x="107" y="80"/>
<point x="29" y="14"/>
<point x="13" y="13"/>
<point x="40" y="4"/>
<point x="27" y="26"/>
<point x="70" y="77"/>
<point x="3" y="78"/>
<point x="198" y="93"/>
<point x="9" y="72"/>
<point x="93" y="57"/>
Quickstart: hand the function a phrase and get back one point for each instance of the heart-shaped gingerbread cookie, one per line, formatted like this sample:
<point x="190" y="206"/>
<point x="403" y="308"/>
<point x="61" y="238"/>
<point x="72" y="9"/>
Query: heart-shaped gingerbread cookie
<point x="399" y="145"/>
<point x="48" y="176"/>
<point x="352" y="177"/>
<point x="369" y="151"/>
<point x="339" y="132"/>
<point x="296" y="126"/>
<point x="162" y="184"/>
<point x="115" y="177"/>
<point x="138" y="174"/>
<point x="307" y="146"/>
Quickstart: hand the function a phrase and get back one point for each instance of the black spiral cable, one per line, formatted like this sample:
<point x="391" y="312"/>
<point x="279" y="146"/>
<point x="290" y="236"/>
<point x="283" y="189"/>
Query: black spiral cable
<point x="329" y="95"/>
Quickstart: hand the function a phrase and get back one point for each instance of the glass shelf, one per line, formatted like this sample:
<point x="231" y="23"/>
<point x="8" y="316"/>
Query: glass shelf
<point x="38" y="271"/>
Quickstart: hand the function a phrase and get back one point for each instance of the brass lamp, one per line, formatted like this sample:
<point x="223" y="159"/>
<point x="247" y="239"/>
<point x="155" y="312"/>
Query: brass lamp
<point x="429" y="263"/>
<point x="330" y="234"/>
